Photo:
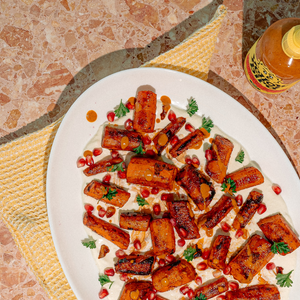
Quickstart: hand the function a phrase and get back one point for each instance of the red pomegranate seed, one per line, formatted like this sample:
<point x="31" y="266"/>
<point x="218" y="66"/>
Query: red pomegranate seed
<point x="154" y="191"/>
<point x="120" y="253"/>
<point x="124" y="277"/>
<point x="145" y="193"/>
<point x="261" y="209"/>
<point x="101" y="213"/>
<point x="106" y="178"/>
<point x="128" y="124"/>
<point x="227" y="270"/>
<point x="109" y="272"/>
<point x="103" y="293"/>
<point x="88" y="207"/>
<point x="276" y="188"/>
<point x="166" y="215"/>
<point x="97" y="151"/>
<point x="151" y="295"/>
<point x="162" y="262"/>
<point x="150" y="152"/>
<point x="279" y="270"/>
<point x="137" y="245"/>
<point x="188" y="160"/>
<point x="222" y="297"/>
<point x="198" y="280"/>
<point x="189" y="128"/>
<point x="201" y="266"/>
<point x="129" y="105"/>
<point x="122" y="175"/>
<point x="191" y="294"/>
<point x="172" y="116"/>
<point x="208" y="154"/>
<point x="184" y="290"/>
<point x="166" y="197"/>
<point x="205" y="253"/>
<point x="81" y="162"/>
<point x="114" y="154"/>
<point x="170" y="258"/>
<point x="174" y="140"/>
<point x="156" y="209"/>
<point x="239" y="233"/>
<point x="225" y="226"/>
<point x="181" y="242"/>
<point x="217" y="273"/>
<point x="239" y="200"/>
<point x="173" y="222"/>
<point x="183" y="232"/>
<point x="195" y="161"/>
<point x="111" y="116"/>
<point x="270" y="266"/>
<point x="89" y="160"/>
<point x="146" y="140"/>
<point x="154" y="290"/>
<point x="233" y="285"/>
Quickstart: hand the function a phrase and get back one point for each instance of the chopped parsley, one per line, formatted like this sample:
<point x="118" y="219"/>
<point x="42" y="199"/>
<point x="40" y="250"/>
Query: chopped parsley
<point x="280" y="247"/>
<point x="201" y="297"/>
<point x="139" y="149"/>
<point x="104" y="279"/>
<point x="189" y="253"/>
<point x="117" y="167"/>
<point x="141" y="201"/>
<point x="192" y="107"/>
<point x="109" y="194"/>
<point x="122" y="110"/>
<point x="240" y="157"/>
<point x="229" y="186"/>
<point x="284" y="280"/>
<point x="89" y="243"/>
<point x="207" y="124"/>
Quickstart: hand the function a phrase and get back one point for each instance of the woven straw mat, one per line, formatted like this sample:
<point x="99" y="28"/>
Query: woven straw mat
<point x="24" y="166"/>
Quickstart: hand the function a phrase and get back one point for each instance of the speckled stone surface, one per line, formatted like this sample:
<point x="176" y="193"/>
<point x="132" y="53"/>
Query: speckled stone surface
<point x="51" y="51"/>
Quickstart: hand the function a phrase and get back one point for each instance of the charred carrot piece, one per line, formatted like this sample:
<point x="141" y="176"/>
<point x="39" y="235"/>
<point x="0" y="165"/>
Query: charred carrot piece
<point x="107" y="230"/>
<point x="115" y="138"/>
<point x="217" y="167"/>
<point x="139" y="288"/>
<point x="160" y="141"/>
<point x="145" y="112"/>
<point x="193" y="140"/>
<point x="248" y="210"/>
<point x="276" y="229"/>
<point x="98" y="190"/>
<point x="135" y="221"/>
<point x="246" y="178"/>
<point x="213" y="288"/>
<point x="101" y="166"/>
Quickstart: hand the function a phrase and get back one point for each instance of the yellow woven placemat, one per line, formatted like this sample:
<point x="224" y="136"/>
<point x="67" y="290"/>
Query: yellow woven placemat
<point x="23" y="169"/>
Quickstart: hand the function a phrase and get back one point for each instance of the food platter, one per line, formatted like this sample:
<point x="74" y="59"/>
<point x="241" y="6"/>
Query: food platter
<point x="64" y="184"/>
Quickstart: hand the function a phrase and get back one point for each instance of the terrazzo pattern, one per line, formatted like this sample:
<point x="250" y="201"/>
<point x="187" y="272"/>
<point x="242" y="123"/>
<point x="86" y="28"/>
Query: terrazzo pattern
<point x="51" y="51"/>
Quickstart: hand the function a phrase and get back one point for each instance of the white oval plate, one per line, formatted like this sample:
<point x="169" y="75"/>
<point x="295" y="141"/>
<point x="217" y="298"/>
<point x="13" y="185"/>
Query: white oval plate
<point x="64" y="203"/>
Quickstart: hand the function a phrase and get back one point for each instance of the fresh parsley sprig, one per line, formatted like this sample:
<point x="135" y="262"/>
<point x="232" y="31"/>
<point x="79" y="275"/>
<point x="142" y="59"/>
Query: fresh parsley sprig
<point x="110" y="193"/>
<point x="89" y="243"/>
<point x="141" y="201"/>
<point x="240" y="157"/>
<point x="284" y="280"/>
<point x="121" y="110"/>
<point x="201" y="297"/>
<point x="139" y="149"/>
<point x="189" y="253"/>
<point x="207" y="124"/>
<point x="104" y="279"/>
<point x="192" y="107"/>
<point x="117" y="167"/>
<point x="229" y="186"/>
<point x="280" y="247"/>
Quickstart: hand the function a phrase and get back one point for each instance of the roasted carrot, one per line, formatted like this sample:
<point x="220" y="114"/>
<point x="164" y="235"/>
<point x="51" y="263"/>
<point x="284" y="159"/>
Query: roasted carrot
<point x="101" y="166"/>
<point x="213" y="288"/>
<point x="137" y="289"/>
<point x="135" y="221"/>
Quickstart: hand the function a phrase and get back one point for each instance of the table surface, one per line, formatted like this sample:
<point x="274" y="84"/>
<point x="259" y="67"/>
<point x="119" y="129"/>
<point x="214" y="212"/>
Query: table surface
<point x="48" y="43"/>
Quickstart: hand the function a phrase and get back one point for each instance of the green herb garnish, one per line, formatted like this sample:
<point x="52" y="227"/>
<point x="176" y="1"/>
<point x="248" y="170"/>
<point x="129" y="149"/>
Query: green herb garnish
<point x="192" y="107"/>
<point x="189" y="253"/>
<point x="201" y="297"/>
<point x="104" y="279"/>
<point x="240" y="157"/>
<point x="207" y="124"/>
<point x="109" y="194"/>
<point x="141" y="201"/>
<point x="122" y="110"/>
<point x="139" y="149"/>
<point x="89" y="243"/>
<point x="280" y="247"/>
<point x="117" y="167"/>
<point x="229" y="186"/>
<point x="284" y="280"/>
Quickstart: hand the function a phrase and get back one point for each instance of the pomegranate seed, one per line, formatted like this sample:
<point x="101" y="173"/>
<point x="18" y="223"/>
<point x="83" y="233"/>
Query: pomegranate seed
<point x="205" y="253"/>
<point x="151" y="295"/>
<point x="89" y="160"/>
<point x="109" y="272"/>
<point x="154" y="290"/>
<point x="201" y="266"/>
<point x="137" y="245"/>
<point x="166" y="215"/>
<point x="166" y="197"/>
<point x="217" y="273"/>
<point x="222" y="297"/>
<point x="156" y="209"/>
<point x="189" y="128"/>
<point x="270" y="266"/>
<point x="183" y="232"/>
<point x="154" y="191"/>
<point x="88" y="207"/>
<point x="103" y="293"/>
<point x="225" y="226"/>
<point x="198" y="280"/>
<point x="227" y="270"/>
<point x="124" y="277"/>
<point x="191" y="294"/>
<point x="181" y="242"/>
<point x="174" y="140"/>
<point x="120" y="253"/>
<point x="239" y="233"/>
<point x="233" y="285"/>
<point x="208" y="154"/>
<point x="170" y="258"/>
<point x="145" y="193"/>
<point x="146" y="140"/>
<point x="128" y="124"/>
<point x="184" y="290"/>
<point x="97" y="151"/>
<point x="195" y="161"/>
<point x="188" y="160"/>
<point x="111" y="116"/>
<point x="172" y="116"/>
<point x="279" y="270"/>
<point x="101" y="212"/>
<point x="114" y="154"/>
<point x="106" y="178"/>
<point x="261" y="209"/>
<point x="122" y="175"/>
<point x="81" y="162"/>
<point x="162" y="262"/>
<point x="173" y="222"/>
<point x="276" y="188"/>
<point x="239" y="200"/>
<point x="150" y="152"/>
<point x="129" y="105"/>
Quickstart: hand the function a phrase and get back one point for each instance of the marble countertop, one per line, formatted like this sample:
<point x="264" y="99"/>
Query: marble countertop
<point x="47" y="43"/>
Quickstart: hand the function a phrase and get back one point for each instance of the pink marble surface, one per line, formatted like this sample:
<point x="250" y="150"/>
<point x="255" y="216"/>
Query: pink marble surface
<point x="46" y="44"/>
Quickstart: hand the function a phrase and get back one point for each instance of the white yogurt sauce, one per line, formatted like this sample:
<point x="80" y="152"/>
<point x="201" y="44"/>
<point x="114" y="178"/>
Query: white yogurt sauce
<point x="274" y="203"/>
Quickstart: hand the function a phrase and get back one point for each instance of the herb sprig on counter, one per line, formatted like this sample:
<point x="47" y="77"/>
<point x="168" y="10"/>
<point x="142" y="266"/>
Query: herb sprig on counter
<point x="189" y="253"/>
<point x="139" y="149"/>
<point x="89" y="243"/>
<point x="240" y="157"/>
<point x="122" y="110"/>
<point x="141" y="201"/>
<point x="110" y="193"/>
<point x="229" y="186"/>
<point x="280" y="247"/>
<point x="284" y="280"/>
<point x="207" y="124"/>
<point x="117" y="167"/>
<point x="192" y="107"/>
<point x="104" y="279"/>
